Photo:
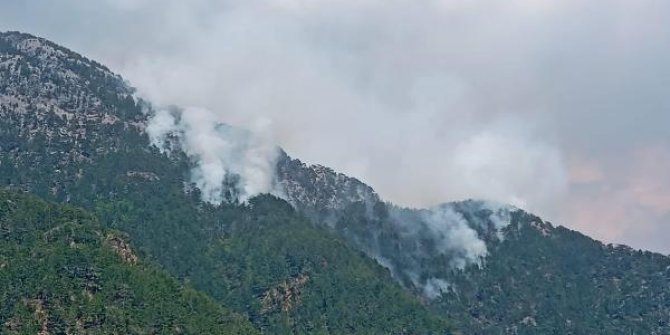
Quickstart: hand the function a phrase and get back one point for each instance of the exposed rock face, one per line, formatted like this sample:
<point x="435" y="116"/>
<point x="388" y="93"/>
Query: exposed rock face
<point x="319" y="190"/>
<point x="42" y="79"/>
<point x="41" y="315"/>
<point x="122" y="248"/>
<point x="61" y="110"/>
<point x="285" y="296"/>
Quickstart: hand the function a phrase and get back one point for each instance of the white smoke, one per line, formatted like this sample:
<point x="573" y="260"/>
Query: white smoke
<point x="160" y="126"/>
<point x="344" y="86"/>
<point x="512" y="162"/>
<point x="435" y="287"/>
<point x="454" y="236"/>
<point x="501" y="216"/>
<point x="428" y="244"/>
<point x="230" y="164"/>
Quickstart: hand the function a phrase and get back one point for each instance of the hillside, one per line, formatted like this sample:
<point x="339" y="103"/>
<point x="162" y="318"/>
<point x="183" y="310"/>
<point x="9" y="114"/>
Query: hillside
<point x="543" y="278"/>
<point x="262" y="259"/>
<point x="330" y="256"/>
<point x="517" y="274"/>
<point x="63" y="273"/>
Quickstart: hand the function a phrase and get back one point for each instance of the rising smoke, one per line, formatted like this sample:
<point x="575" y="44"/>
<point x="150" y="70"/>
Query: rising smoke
<point x="453" y="235"/>
<point x="341" y="85"/>
<point x="230" y="164"/>
<point x="233" y="165"/>
<point x="422" y="247"/>
<point x="353" y="96"/>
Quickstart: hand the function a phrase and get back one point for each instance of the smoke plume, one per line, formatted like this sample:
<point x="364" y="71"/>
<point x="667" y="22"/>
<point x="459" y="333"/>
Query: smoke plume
<point x="230" y="164"/>
<point x="453" y="235"/>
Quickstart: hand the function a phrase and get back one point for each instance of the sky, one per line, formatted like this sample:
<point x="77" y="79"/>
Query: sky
<point x="558" y="107"/>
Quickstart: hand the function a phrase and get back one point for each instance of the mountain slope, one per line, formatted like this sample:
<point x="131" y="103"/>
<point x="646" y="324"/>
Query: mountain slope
<point x="542" y="278"/>
<point x="494" y="269"/>
<point x="530" y="277"/>
<point x="63" y="273"/>
<point x="263" y="259"/>
<point x="420" y="246"/>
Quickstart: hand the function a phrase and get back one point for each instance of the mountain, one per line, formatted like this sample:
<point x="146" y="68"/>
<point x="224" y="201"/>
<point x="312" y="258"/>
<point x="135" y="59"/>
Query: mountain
<point x="508" y="272"/>
<point x="62" y="273"/>
<point x="70" y="131"/>
<point x="543" y="279"/>
<point x="329" y="256"/>
<point x="419" y="246"/>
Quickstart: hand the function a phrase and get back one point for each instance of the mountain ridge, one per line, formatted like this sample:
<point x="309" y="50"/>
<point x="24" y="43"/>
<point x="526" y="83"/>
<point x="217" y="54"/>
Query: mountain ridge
<point x="261" y="259"/>
<point x="475" y="262"/>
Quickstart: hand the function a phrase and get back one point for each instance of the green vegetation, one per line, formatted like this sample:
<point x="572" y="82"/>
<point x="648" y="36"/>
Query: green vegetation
<point x="262" y="260"/>
<point x="70" y="132"/>
<point x="246" y="257"/>
<point x="550" y="280"/>
<point x="61" y="272"/>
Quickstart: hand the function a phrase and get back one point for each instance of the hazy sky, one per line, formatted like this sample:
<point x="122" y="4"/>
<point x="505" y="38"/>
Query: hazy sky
<point x="561" y="107"/>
